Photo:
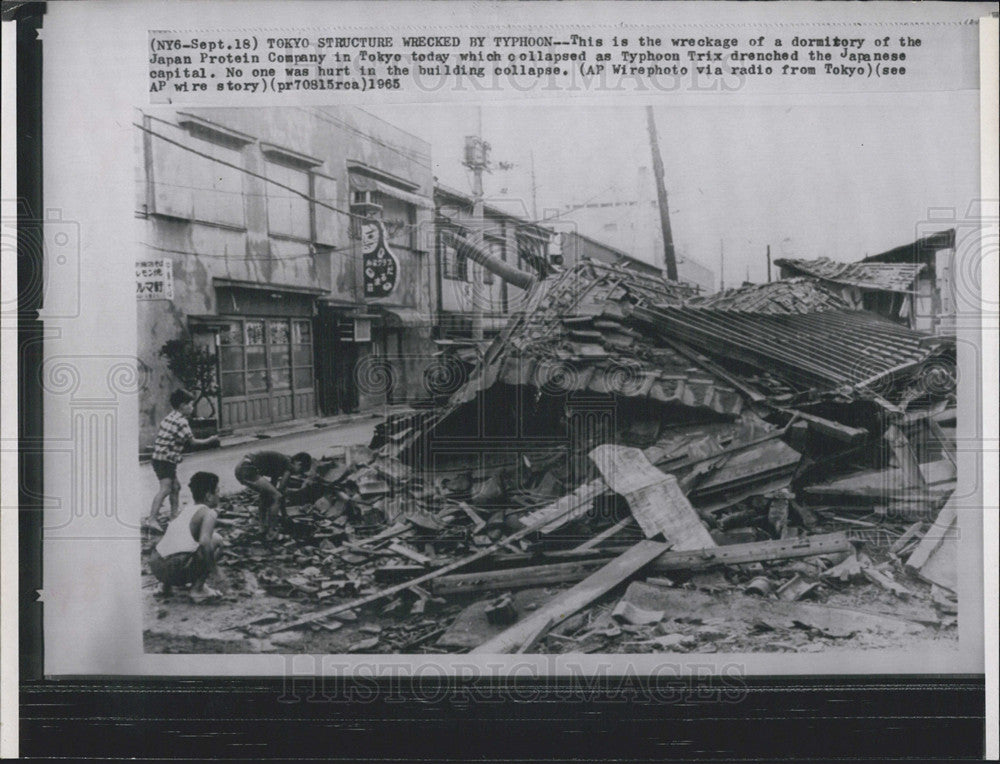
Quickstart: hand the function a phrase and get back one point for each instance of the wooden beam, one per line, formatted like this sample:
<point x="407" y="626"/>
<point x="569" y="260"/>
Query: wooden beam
<point x="831" y="429"/>
<point x="698" y="559"/>
<point x="755" y="551"/>
<point x="566" y="604"/>
<point x="607" y="533"/>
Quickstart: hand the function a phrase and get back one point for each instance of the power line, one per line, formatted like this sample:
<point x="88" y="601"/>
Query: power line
<point x="251" y="173"/>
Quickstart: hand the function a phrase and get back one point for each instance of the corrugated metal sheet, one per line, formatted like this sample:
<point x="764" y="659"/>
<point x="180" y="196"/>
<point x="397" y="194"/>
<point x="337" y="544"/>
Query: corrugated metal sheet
<point x="794" y="295"/>
<point x="827" y="349"/>
<point x="887" y="277"/>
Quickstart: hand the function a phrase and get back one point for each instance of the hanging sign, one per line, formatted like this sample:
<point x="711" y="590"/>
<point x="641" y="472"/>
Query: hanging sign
<point x="154" y="279"/>
<point x="381" y="268"/>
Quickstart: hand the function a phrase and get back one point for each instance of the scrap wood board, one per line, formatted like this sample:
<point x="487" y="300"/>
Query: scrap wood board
<point x="935" y="558"/>
<point x="566" y="604"/>
<point x="559" y="511"/>
<point x="493" y="548"/>
<point x="656" y="501"/>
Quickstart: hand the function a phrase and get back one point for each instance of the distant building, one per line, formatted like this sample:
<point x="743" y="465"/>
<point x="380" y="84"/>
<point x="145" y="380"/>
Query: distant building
<point x="911" y="284"/>
<point x="575" y="247"/>
<point x="467" y="292"/>
<point x="932" y="306"/>
<point x="266" y="260"/>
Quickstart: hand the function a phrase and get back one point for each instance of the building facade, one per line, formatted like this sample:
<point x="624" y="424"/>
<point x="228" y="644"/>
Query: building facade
<point x="467" y="293"/>
<point x="575" y="247"/>
<point x="257" y="213"/>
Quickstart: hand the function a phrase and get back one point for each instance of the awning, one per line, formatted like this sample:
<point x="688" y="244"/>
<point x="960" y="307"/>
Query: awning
<point x="364" y="183"/>
<point x="404" y="317"/>
<point x="265" y="287"/>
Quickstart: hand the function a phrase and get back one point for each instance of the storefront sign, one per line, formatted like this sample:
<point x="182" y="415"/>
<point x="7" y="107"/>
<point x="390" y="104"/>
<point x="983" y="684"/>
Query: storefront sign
<point x="381" y="268"/>
<point x="154" y="280"/>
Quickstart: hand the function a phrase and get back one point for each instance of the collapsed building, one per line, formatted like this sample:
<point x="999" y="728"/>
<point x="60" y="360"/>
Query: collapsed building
<point x="623" y="427"/>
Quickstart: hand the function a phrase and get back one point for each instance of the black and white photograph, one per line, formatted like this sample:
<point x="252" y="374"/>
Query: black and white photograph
<point x="551" y="379"/>
<point x="483" y="380"/>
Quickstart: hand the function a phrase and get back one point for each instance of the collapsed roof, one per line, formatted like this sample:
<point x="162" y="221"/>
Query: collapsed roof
<point x="886" y="277"/>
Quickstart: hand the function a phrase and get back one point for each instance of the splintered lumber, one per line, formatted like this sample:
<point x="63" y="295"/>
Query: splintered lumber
<point x="905" y="457"/>
<point x="517" y="578"/>
<point x="831" y="429"/>
<point x="535" y="637"/>
<point x="555" y="515"/>
<point x="908" y="534"/>
<point x="696" y="559"/>
<point x="936" y="557"/>
<point x="656" y="501"/>
<point x="756" y="551"/>
<point x="374" y="597"/>
<point x="567" y="603"/>
<point x="605" y="534"/>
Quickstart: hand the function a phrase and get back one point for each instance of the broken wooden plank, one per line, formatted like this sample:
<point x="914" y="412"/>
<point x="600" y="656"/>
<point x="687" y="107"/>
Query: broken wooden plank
<point x="412" y="554"/>
<point x="533" y="639"/>
<point x="555" y="515"/>
<point x="908" y="534"/>
<point x="756" y="551"/>
<point x="699" y="559"/>
<point x="935" y="558"/>
<point x="656" y="501"/>
<point x="906" y="459"/>
<point x="418" y="580"/>
<point x="567" y="603"/>
<point x="477" y="522"/>
<point x="515" y="578"/>
<point x="605" y="534"/>
<point x="829" y="428"/>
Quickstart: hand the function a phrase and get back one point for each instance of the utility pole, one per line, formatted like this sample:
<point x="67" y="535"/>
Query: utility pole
<point x="477" y="160"/>
<point x="722" y="265"/>
<point x="768" y="263"/>
<point x="534" y="189"/>
<point x="661" y="194"/>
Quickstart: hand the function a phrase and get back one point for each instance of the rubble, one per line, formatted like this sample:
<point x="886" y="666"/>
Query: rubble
<point x="769" y="468"/>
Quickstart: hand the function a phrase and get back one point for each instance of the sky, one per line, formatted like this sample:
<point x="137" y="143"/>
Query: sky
<point x="812" y="176"/>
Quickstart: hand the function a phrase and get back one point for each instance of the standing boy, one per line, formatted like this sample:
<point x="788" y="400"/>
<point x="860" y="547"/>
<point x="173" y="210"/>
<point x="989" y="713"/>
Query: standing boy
<point x="172" y="437"/>
<point x="188" y="550"/>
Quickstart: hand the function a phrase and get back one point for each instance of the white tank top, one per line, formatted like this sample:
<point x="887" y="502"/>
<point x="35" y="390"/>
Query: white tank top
<point x="177" y="537"/>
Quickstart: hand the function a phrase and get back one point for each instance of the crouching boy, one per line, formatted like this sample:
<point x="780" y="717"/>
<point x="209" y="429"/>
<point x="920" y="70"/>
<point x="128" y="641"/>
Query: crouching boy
<point x="268" y="473"/>
<point x="189" y="548"/>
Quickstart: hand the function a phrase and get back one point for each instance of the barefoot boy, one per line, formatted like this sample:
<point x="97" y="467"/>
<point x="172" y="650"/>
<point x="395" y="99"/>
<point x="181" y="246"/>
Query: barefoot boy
<point x="172" y="437"/>
<point x="188" y="550"/>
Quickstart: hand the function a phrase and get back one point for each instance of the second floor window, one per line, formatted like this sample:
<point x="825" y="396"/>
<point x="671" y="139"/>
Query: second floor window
<point x="288" y="213"/>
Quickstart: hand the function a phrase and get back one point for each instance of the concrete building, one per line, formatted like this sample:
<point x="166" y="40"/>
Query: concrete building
<point x="250" y="209"/>
<point x="467" y="292"/>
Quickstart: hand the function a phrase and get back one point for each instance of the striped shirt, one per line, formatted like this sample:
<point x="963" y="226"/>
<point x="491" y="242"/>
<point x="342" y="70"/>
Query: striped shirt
<point x="172" y="437"/>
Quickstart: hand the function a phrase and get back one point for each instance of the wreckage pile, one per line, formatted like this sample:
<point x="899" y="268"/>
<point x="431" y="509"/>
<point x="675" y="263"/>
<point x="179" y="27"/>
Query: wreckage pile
<point x="629" y="469"/>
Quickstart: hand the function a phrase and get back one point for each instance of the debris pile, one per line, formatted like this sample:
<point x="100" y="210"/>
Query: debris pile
<point x="630" y="469"/>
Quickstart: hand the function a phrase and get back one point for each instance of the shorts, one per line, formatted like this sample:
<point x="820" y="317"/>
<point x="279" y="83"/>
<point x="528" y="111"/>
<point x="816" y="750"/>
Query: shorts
<point x="246" y="472"/>
<point x="165" y="470"/>
<point x="178" y="569"/>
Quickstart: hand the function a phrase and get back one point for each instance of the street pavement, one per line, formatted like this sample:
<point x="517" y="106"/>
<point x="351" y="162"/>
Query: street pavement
<point x="222" y="461"/>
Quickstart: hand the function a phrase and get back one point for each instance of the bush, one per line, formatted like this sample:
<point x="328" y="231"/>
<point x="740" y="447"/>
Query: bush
<point x="195" y="368"/>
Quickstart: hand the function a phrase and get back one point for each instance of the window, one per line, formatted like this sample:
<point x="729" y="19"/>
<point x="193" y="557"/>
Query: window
<point x="266" y="355"/>
<point x="186" y="185"/>
<point x="288" y="213"/>
<point x="453" y="265"/>
<point x="399" y="218"/>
